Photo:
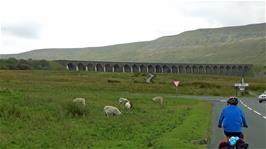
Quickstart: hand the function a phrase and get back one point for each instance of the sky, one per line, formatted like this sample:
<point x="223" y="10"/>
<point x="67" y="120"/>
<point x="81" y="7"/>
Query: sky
<point x="36" y="24"/>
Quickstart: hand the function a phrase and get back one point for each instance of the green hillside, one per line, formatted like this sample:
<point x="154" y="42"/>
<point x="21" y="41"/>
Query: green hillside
<point x="238" y="44"/>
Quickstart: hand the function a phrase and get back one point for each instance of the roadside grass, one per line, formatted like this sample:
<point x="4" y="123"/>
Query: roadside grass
<point x="33" y="111"/>
<point x="32" y="122"/>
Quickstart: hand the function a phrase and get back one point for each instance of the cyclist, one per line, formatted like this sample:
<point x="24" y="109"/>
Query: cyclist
<point x="232" y="119"/>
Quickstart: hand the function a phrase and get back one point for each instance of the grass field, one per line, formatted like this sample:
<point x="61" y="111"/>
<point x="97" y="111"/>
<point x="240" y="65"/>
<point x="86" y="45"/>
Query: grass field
<point x="33" y="111"/>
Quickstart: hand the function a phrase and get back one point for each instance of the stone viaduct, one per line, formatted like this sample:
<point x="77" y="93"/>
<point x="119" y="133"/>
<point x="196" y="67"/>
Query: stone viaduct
<point x="179" y="68"/>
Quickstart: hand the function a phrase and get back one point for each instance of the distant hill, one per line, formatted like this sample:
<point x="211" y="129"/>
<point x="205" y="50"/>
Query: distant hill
<point x="237" y="44"/>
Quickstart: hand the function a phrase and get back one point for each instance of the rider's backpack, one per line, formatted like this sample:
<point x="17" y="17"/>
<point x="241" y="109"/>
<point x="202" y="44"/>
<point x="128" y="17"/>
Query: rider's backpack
<point x="240" y="144"/>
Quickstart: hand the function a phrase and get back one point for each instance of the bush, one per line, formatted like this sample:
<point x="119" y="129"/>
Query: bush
<point x="22" y="64"/>
<point x="203" y="85"/>
<point x="113" y="81"/>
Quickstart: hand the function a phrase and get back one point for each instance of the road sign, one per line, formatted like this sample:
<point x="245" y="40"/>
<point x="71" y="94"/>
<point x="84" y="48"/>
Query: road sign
<point x="241" y="88"/>
<point x="241" y="84"/>
<point x="176" y="83"/>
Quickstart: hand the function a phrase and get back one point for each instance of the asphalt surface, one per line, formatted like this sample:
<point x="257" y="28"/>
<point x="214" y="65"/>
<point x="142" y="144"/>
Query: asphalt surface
<point x="255" y="113"/>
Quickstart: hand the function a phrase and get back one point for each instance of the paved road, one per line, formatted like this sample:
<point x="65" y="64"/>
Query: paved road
<point x="256" y="118"/>
<point x="255" y="114"/>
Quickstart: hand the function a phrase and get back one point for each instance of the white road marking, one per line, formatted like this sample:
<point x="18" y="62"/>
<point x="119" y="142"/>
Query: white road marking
<point x="257" y="112"/>
<point x="223" y="100"/>
<point x="245" y="105"/>
<point x="252" y="109"/>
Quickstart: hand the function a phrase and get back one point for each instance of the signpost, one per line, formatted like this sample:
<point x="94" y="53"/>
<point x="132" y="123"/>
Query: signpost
<point x="176" y="83"/>
<point x="241" y="86"/>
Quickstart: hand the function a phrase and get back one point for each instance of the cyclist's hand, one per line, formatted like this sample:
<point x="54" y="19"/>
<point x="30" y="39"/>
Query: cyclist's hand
<point x="220" y="126"/>
<point x="246" y="126"/>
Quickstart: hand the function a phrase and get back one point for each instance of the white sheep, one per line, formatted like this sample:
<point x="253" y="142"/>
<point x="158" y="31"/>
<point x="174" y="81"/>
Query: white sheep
<point x="79" y="101"/>
<point x="77" y="107"/>
<point x="158" y="99"/>
<point x="123" y="100"/>
<point x="128" y="105"/>
<point x="111" y="111"/>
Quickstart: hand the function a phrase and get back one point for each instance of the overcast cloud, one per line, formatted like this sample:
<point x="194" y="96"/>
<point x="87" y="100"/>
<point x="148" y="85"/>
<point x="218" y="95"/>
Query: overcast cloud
<point x="34" y="24"/>
<point x="22" y="30"/>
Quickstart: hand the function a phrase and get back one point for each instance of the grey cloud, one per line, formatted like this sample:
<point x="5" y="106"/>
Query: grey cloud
<point x="21" y="30"/>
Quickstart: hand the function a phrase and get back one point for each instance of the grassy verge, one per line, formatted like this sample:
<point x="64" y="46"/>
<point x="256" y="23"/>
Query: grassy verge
<point x="36" y="122"/>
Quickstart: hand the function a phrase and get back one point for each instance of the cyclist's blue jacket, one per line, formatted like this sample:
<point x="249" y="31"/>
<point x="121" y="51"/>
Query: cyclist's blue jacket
<point x="232" y="119"/>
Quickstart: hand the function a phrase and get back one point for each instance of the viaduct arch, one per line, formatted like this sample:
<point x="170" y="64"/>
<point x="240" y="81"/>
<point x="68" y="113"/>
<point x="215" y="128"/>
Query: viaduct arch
<point x="178" y="68"/>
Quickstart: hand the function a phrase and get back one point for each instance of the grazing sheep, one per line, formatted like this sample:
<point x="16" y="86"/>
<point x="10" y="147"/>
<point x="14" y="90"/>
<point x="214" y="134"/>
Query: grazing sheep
<point x="158" y="99"/>
<point x="79" y="101"/>
<point x="128" y="105"/>
<point x="77" y="107"/>
<point x="123" y="100"/>
<point x="111" y="111"/>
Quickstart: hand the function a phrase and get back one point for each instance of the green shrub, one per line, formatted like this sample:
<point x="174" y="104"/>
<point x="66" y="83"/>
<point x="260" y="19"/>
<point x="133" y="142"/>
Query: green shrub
<point x="22" y="64"/>
<point x="113" y="81"/>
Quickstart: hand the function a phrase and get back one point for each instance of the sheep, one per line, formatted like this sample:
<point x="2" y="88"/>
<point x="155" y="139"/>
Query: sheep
<point x="79" y="101"/>
<point x="123" y="100"/>
<point x="111" y="111"/>
<point x="126" y="103"/>
<point x="158" y="99"/>
<point x="77" y="107"/>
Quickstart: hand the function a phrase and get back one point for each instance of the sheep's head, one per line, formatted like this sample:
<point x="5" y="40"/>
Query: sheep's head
<point x="79" y="101"/>
<point x="128" y="105"/>
<point x="119" y="113"/>
<point x="123" y="100"/>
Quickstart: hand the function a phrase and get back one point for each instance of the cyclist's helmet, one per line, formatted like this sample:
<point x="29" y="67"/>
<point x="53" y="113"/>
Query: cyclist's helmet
<point x="232" y="100"/>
